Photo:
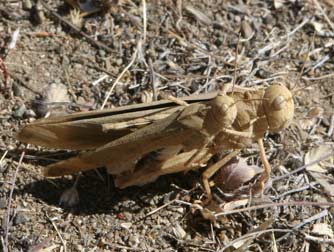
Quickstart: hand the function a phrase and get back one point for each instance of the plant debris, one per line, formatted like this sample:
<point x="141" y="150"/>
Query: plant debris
<point x="139" y="51"/>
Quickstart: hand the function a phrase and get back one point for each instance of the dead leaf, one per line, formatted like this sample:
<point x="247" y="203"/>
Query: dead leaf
<point x="315" y="112"/>
<point x="307" y="123"/>
<point x="315" y="154"/>
<point x="243" y="244"/>
<point x="208" y="215"/>
<point x="198" y="14"/>
<point x="179" y="232"/>
<point x="76" y="18"/>
<point x="49" y="249"/>
<point x="317" y="171"/>
<point x="126" y="225"/>
<point x="322" y="229"/>
<point x="56" y="99"/>
<point x="329" y="2"/>
<point x="56" y="93"/>
<point x="87" y="7"/>
<point x="324" y="181"/>
<point x="236" y="173"/>
<point x="278" y="3"/>
<point x="311" y="118"/>
<point x="147" y="97"/>
<point x="235" y="204"/>
<point x="318" y="27"/>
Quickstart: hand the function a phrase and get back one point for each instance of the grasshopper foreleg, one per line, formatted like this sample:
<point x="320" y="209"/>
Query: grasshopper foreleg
<point x="239" y="133"/>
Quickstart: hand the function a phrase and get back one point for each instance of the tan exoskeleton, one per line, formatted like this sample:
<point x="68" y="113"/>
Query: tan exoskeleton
<point x="185" y="137"/>
<point x="258" y="111"/>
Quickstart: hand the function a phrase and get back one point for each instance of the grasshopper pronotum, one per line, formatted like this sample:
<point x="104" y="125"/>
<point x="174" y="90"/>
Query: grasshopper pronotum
<point x="184" y="136"/>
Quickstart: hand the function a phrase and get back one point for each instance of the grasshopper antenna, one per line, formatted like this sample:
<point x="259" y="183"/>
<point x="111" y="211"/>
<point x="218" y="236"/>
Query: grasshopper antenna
<point x="296" y="90"/>
<point x="306" y="58"/>
<point x="235" y="64"/>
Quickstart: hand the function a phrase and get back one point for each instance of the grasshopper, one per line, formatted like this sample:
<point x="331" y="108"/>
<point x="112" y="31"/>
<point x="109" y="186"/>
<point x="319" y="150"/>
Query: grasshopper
<point x="184" y="136"/>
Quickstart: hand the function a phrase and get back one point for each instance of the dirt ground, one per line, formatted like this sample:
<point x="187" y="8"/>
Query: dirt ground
<point x="62" y="62"/>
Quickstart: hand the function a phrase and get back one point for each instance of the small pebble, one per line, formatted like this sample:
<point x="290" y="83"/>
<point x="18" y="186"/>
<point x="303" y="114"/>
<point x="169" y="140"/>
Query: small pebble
<point x="20" y="218"/>
<point x="40" y="108"/>
<point x="133" y="241"/>
<point x="38" y="13"/>
<point x="119" y="62"/>
<point x="26" y="5"/>
<point x="128" y="216"/>
<point x="29" y="113"/>
<point x="69" y="197"/>
<point x="17" y="91"/>
<point x="219" y="41"/>
<point x="179" y="231"/>
<point x="102" y="53"/>
<point x="20" y="112"/>
<point x="268" y="20"/>
<point x="3" y="166"/>
<point x="3" y="203"/>
<point x="79" y="247"/>
<point x="246" y="29"/>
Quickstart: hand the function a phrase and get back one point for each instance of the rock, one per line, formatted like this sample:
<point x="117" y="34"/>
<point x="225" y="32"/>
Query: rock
<point x="3" y="203"/>
<point x="246" y="29"/>
<point x="20" y="218"/>
<point x="18" y="113"/>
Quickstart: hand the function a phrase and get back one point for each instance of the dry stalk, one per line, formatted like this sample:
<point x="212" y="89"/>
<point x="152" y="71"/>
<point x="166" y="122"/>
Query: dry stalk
<point x="58" y="233"/>
<point x="6" y="244"/>
<point x="303" y="167"/>
<point x="134" y="57"/>
<point x="278" y="204"/>
<point x="313" y="218"/>
<point x="76" y="29"/>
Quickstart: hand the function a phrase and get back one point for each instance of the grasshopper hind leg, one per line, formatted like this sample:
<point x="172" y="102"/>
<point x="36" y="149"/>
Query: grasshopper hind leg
<point x="267" y="168"/>
<point x="147" y="169"/>
<point x="150" y="169"/>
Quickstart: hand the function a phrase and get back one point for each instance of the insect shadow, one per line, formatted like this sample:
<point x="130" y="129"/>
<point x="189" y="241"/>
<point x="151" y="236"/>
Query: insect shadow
<point x="97" y="193"/>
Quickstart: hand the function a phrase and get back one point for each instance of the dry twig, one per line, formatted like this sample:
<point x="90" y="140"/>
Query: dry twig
<point x="134" y="57"/>
<point x="76" y="29"/>
<point x="6" y="244"/>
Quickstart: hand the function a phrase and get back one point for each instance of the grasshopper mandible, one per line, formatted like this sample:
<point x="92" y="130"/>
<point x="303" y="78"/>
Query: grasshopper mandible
<point x="184" y="136"/>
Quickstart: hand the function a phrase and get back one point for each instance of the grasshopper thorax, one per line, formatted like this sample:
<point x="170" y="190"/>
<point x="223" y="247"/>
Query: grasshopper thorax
<point x="221" y="114"/>
<point x="278" y="107"/>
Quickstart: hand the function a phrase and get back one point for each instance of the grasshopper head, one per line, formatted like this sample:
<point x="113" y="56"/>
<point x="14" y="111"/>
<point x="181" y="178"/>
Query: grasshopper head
<point x="224" y="110"/>
<point x="278" y="107"/>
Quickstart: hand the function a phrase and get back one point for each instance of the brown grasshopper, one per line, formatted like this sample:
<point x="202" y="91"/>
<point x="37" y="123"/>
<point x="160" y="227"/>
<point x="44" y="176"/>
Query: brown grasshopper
<point x="184" y="136"/>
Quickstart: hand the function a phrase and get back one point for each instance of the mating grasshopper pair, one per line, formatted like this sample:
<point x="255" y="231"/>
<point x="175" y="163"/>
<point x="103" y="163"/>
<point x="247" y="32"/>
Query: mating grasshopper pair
<point x="138" y="143"/>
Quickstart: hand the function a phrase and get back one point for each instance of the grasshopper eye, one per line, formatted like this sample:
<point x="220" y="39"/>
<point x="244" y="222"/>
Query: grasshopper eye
<point x="223" y="109"/>
<point x="278" y="107"/>
<point x="279" y="103"/>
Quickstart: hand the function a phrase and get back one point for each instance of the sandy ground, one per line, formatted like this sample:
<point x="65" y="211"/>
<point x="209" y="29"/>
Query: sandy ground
<point x="63" y="63"/>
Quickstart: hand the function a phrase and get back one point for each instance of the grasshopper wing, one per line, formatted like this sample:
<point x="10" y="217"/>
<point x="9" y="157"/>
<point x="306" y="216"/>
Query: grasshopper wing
<point x="88" y="130"/>
<point x="174" y="130"/>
